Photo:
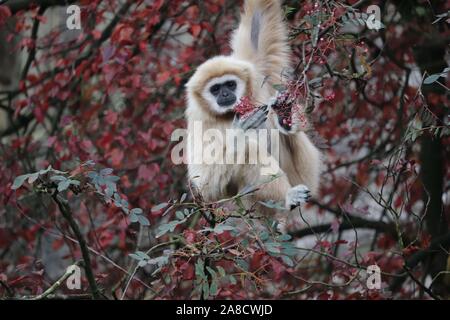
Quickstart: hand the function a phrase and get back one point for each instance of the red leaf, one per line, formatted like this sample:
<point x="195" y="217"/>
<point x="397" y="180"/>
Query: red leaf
<point x="111" y="117"/>
<point x="187" y="270"/>
<point x="96" y="34"/>
<point x="190" y="236"/>
<point x="195" y="30"/>
<point x="145" y="173"/>
<point x="39" y="115"/>
<point x="5" y="13"/>
<point x="116" y="157"/>
<point x="163" y="77"/>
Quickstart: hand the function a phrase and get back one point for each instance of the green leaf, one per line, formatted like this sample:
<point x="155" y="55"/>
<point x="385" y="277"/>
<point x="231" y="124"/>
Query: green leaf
<point x="58" y="178"/>
<point x="221" y="228"/>
<point x="179" y="215"/>
<point x="135" y="256"/>
<point x="159" y="261"/>
<point x="106" y="171"/>
<point x="159" y="207"/>
<point x="33" y="177"/>
<point x="273" y="247"/>
<point x="74" y="182"/>
<point x="63" y="185"/>
<point x="213" y="288"/>
<point x="18" y="182"/>
<point x="133" y="217"/>
<point x="289" y="249"/>
<point x="288" y="261"/>
<point x="205" y="290"/>
<point x="200" y="269"/>
<point x="143" y="221"/>
<point x="142" y="263"/>
<point x="112" y="178"/>
<point x="143" y="255"/>
<point x="242" y="264"/>
<point x="139" y="255"/>
<point x="211" y="272"/>
<point x="163" y="229"/>
<point x="183" y="197"/>
<point x="431" y="79"/>
<point x="264" y="236"/>
<point x="421" y="11"/>
<point x="284" y="237"/>
<point x="137" y="211"/>
<point x="232" y="279"/>
<point x="221" y="271"/>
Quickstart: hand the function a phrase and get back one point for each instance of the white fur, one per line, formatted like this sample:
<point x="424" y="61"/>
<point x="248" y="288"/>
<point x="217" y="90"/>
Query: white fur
<point x="255" y="71"/>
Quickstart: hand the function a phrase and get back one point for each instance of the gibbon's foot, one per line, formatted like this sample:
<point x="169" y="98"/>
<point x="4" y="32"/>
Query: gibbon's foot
<point x="253" y="121"/>
<point x="296" y="196"/>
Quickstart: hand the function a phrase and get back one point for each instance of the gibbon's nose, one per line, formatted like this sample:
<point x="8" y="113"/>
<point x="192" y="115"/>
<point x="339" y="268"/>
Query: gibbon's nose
<point x="226" y="101"/>
<point x="225" y="94"/>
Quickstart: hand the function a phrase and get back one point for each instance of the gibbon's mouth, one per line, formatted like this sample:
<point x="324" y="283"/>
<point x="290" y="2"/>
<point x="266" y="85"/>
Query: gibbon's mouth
<point x="227" y="102"/>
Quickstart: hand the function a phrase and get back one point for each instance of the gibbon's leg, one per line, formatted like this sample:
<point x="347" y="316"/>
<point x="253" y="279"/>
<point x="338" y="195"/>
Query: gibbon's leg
<point x="299" y="157"/>
<point x="302" y="160"/>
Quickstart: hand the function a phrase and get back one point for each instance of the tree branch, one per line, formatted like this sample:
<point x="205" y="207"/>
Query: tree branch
<point x="436" y="245"/>
<point x="67" y="214"/>
<point x="17" y="5"/>
<point x="55" y="286"/>
<point x="351" y="222"/>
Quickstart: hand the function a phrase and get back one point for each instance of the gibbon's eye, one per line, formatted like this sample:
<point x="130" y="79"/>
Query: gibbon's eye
<point x="231" y="84"/>
<point x="215" y="89"/>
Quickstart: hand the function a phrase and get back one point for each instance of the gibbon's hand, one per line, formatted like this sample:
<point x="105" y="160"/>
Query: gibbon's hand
<point x="253" y="121"/>
<point x="296" y="196"/>
<point x="283" y="111"/>
<point x="289" y="116"/>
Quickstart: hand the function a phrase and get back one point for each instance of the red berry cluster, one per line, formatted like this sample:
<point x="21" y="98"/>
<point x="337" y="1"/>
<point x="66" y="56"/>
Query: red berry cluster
<point x="245" y="107"/>
<point x="286" y="105"/>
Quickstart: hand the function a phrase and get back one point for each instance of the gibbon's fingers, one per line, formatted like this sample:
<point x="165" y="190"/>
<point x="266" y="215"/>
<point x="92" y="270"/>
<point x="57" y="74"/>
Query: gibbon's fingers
<point x="286" y="121"/>
<point x="296" y="196"/>
<point x="253" y="121"/>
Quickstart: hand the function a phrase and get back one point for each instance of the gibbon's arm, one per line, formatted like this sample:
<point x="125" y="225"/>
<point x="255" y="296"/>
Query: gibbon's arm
<point x="261" y="39"/>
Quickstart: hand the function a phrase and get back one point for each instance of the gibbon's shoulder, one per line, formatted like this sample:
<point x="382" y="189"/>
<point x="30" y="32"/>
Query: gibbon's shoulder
<point x="217" y="67"/>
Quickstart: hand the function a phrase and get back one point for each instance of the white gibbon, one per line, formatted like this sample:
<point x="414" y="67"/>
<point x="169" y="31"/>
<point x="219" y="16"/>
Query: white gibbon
<point x="261" y="55"/>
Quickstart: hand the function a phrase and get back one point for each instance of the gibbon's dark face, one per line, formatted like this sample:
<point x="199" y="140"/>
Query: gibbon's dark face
<point x="225" y="93"/>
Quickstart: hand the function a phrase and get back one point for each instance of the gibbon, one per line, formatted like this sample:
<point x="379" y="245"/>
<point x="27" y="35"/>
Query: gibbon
<point x="261" y="54"/>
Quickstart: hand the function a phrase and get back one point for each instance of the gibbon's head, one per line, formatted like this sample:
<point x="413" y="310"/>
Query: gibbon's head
<point x="219" y="84"/>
